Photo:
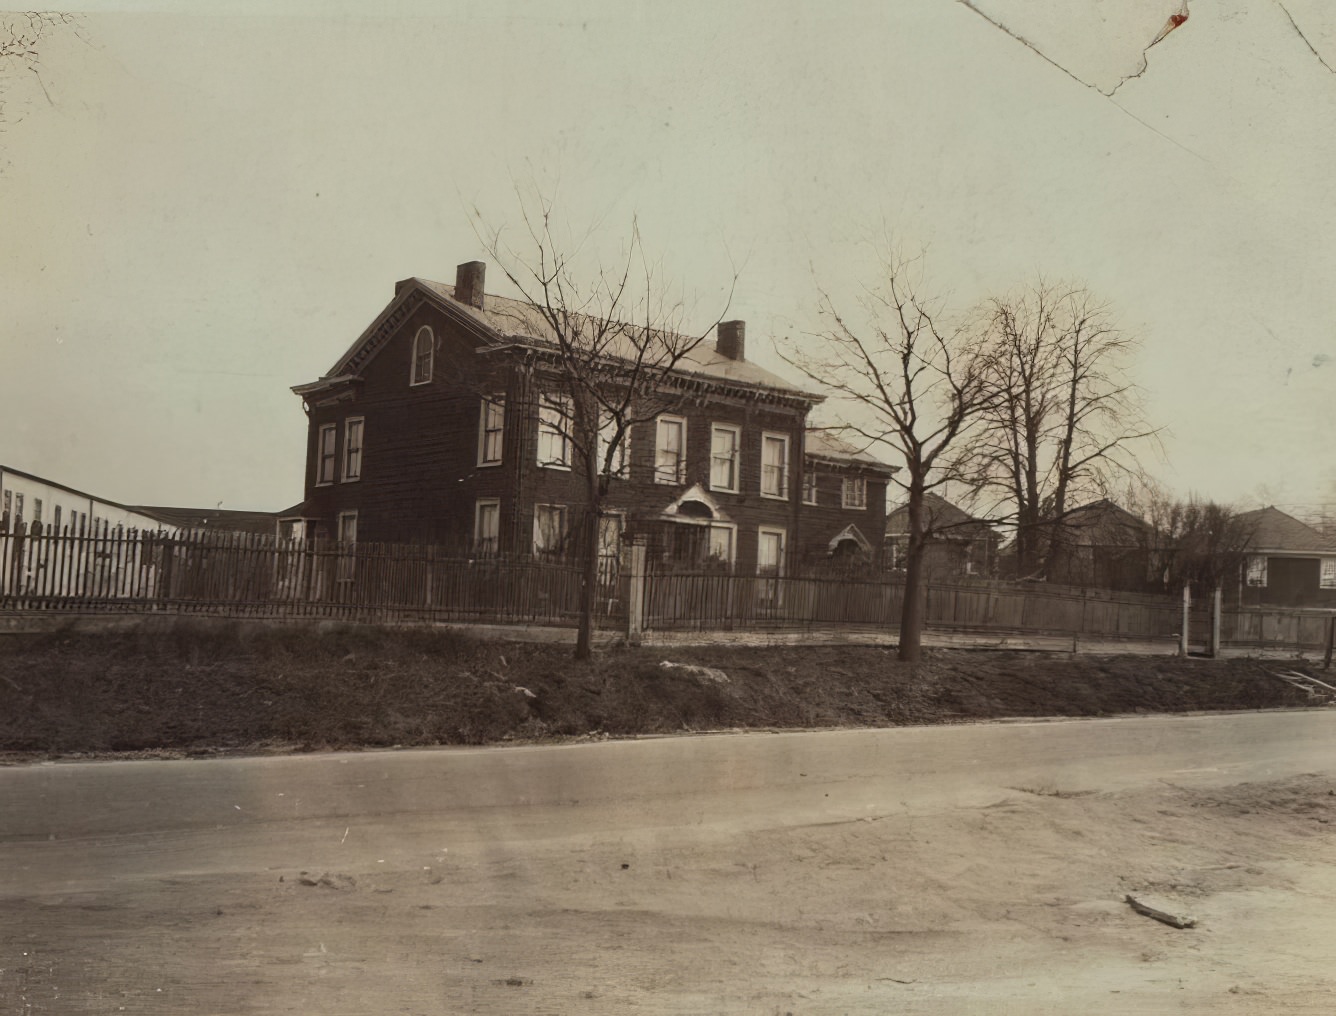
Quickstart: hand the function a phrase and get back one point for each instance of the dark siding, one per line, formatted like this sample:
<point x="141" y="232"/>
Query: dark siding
<point x="420" y="477"/>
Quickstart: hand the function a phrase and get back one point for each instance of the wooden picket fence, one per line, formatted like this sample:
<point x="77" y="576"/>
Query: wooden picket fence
<point x="245" y="575"/>
<point x="101" y="569"/>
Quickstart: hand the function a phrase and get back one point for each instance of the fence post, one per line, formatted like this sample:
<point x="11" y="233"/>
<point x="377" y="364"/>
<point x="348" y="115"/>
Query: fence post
<point x="634" y="551"/>
<point x="1187" y="620"/>
<point x="1215" y="623"/>
<point x="1331" y="642"/>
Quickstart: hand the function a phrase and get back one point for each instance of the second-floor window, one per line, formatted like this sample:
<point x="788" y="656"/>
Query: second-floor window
<point x="554" y="431"/>
<point x="621" y="455"/>
<point x="491" y="431"/>
<point x="724" y="444"/>
<point x="37" y="509"/>
<point x="670" y="450"/>
<point x="775" y="465"/>
<point x="424" y="352"/>
<point x="809" y="486"/>
<point x="352" y="449"/>
<point x="854" y="492"/>
<point x="327" y="464"/>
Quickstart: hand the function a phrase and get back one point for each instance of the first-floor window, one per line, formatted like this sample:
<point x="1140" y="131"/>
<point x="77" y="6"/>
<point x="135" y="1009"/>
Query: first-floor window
<point x="1257" y="571"/>
<point x="326" y="466"/>
<point x="347" y="538"/>
<point x="55" y="518"/>
<point x="1328" y="576"/>
<point x="770" y="565"/>
<point x="854" y="492"/>
<point x="723" y="543"/>
<point x="347" y="527"/>
<point x="37" y="509"/>
<point x="610" y="528"/>
<point x="809" y="486"/>
<point x="18" y="507"/>
<point x="9" y="503"/>
<point x="549" y="528"/>
<point x="352" y="449"/>
<point x="487" y="525"/>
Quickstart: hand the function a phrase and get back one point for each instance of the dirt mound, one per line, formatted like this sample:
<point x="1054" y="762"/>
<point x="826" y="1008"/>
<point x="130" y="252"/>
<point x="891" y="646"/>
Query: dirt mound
<point x="201" y="688"/>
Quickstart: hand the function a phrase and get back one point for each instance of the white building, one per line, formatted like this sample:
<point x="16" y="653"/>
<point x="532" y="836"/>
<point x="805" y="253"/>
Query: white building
<point x="25" y="499"/>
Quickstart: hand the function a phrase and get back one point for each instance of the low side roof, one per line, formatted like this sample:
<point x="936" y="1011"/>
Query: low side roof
<point x="1273" y="529"/>
<point x="232" y="521"/>
<point x="941" y="513"/>
<point x="822" y="444"/>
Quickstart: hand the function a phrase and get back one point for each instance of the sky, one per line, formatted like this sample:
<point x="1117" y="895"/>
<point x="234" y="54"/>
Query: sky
<point x="200" y="210"/>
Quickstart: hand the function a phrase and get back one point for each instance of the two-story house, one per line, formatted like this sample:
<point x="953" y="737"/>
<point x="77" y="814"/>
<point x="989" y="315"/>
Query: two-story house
<point x="445" y="424"/>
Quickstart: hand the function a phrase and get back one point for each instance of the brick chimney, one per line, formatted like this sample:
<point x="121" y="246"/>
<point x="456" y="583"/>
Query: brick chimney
<point x="469" y="282"/>
<point x="731" y="339"/>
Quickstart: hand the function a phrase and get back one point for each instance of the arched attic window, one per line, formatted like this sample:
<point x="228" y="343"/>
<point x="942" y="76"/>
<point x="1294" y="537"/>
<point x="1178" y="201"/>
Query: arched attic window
<point x="424" y="349"/>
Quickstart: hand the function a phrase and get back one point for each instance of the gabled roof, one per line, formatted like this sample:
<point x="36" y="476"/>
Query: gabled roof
<point x="940" y="514"/>
<point x="1273" y="530"/>
<point x="503" y="321"/>
<point x="824" y="446"/>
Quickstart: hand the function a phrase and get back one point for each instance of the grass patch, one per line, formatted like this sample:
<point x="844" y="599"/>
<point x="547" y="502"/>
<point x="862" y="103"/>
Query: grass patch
<point x="208" y="686"/>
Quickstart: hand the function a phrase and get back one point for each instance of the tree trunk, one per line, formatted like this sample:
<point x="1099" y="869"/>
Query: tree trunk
<point x="584" y="636"/>
<point x="911" y="612"/>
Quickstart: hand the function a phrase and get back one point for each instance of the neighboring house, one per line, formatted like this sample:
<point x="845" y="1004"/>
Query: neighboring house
<point x="441" y="424"/>
<point x="1289" y="563"/>
<point x="29" y="500"/>
<point x="959" y="544"/>
<point x="844" y="501"/>
<point x="1103" y="546"/>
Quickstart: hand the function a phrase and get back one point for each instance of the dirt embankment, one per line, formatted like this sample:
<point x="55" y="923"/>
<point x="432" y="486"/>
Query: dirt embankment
<point x="201" y="688"/>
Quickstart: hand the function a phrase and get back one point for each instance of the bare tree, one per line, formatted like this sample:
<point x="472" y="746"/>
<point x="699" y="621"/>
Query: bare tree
<point x="903" y="380"/>
<point x="610" y="350"/>
<point x="22" y="36"/>
<point x="1064" y="421"/>
<point x="1196" y="541"/>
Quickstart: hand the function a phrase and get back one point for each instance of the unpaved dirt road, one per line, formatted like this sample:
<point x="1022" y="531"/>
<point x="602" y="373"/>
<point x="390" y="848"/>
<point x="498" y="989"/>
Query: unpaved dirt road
<point x="975" y="869"/>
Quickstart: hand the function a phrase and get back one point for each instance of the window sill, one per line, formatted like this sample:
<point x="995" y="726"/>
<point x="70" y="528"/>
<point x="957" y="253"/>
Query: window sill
<point x="724" y="490"/>
<point x="774" y="497"/>
<point x="419" y="384"/>
<point x="351" y="479"/>
<point x="553" y="465"/>
<point x="324" y="483"/>
<point x="854" y="507"/>
<point x="490" y="465"/>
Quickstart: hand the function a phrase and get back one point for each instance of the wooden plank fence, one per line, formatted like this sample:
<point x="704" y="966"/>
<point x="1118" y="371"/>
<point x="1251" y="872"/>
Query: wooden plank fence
<point x="719" y="600"/>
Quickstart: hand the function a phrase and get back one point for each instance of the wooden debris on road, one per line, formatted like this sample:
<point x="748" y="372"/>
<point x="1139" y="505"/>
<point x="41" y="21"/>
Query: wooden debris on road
<point x="1163" y="916"/>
